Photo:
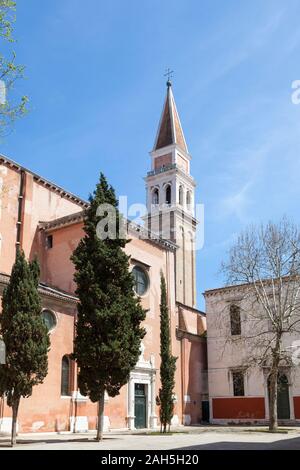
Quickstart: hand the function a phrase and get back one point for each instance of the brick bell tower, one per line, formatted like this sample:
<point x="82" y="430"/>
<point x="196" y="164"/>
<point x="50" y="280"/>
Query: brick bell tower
<point x="171" y="197"/>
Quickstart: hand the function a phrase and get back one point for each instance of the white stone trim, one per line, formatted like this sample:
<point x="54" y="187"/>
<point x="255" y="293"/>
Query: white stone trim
<point x="6" y="425"/>
<point x="76" y="396"/>
<point x="79" y="424"/>
<point x="187" y="420"/>
<point x="187" y="399"/>
<point x="144" y="373"/>
<point x="37" y="425"/>
<point x="175" y="421"/>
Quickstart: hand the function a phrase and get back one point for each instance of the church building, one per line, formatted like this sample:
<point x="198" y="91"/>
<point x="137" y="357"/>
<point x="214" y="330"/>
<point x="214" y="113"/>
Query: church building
<point x="46" y="221"/>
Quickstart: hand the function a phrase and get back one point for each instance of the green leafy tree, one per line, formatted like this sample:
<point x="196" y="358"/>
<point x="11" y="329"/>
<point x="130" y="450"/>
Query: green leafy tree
<point x="168" y="363"/>
<point x="25" y="336"/>
<point x="108" y="330"/>
<point x="11" y="107"/>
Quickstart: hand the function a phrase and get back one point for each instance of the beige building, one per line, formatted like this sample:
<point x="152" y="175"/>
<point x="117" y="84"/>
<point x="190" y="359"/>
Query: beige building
<point x="238" y="389"/>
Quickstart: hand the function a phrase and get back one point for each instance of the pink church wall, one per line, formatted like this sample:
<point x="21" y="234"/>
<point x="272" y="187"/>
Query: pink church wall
<point x="46" y="410"/>
<point x="40" y="203"/>
<point x="9" y="192"/>
<point x="57" y="269"/>
<point x="194" y="363"/>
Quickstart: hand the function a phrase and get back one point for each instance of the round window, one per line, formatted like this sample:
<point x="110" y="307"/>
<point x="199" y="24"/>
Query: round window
<point x="141" y="280"/>
<point x="49" y="319"/>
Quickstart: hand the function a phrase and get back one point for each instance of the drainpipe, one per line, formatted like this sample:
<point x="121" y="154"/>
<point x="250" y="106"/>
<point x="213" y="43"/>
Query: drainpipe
<point x="21" y="203"/>
<point x="182" y="349"/>
<point x="75" y="384"/>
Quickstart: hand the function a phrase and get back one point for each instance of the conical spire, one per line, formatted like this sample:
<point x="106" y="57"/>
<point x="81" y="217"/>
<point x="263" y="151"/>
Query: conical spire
<point x="170" y="130"/>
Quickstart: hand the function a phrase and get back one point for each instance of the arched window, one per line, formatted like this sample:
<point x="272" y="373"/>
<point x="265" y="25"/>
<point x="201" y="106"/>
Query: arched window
<point x="181" y="195"/>
<point x="235" y="320"/>
<point x="65" y="377"/>
<point x="168" y="194"/>
<point x="189" y="200"/>
<point x="155" y="197"/>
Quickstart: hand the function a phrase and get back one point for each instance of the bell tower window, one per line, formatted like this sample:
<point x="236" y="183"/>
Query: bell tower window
<point x="188" y="200"/>
<point x="155" y="197"/>
<point x="181" y="195"/>
<point x="168" y="195"/>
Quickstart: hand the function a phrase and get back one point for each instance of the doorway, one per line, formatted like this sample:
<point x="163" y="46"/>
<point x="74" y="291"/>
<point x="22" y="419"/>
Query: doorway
<point x="205" y="411"/>
<point x="283" y="397"/>
<point x="283" y="405"/>
<point x="140" y="410"/>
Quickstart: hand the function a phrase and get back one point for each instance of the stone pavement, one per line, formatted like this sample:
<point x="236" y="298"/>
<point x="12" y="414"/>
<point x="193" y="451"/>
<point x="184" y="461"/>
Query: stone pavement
<point x="192" y="438"/>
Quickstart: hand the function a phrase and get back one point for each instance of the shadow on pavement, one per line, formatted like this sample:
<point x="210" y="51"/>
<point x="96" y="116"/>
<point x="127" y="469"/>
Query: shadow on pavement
<point x="284" y="444"/>
<point x="20" y="442"/>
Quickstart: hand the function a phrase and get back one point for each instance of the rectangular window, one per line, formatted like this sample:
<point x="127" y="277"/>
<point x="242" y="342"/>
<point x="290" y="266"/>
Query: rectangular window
<point x="238" y="384"/>
<point x="235" y="320"/>
<point x="65" y="376"/>
<point x="49" y="242"/>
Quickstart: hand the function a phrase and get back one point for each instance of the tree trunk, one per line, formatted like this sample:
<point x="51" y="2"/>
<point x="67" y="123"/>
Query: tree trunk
<point x="273" y="421"/>
<point x="15" y="408"/>
<point x="100" y="418"/>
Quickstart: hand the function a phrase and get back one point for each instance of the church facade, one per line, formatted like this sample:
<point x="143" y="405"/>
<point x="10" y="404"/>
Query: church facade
<point x="47" y="221"/>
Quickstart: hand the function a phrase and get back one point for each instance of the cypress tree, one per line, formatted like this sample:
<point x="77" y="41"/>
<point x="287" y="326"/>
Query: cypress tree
<point x="167" y="365"/>
<point x="108" y="330"/>
<point x="25" y="336"/>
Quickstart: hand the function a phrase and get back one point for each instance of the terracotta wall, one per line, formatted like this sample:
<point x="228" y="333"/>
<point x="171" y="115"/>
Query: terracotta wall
<point x="297" y="407"/>
<point x="164" y="160"/>
<point x="238" y="408"/>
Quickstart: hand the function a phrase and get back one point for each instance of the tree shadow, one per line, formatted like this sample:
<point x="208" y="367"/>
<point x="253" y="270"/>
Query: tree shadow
<point x="284" y="444"/>
<point x="20" y="442"/>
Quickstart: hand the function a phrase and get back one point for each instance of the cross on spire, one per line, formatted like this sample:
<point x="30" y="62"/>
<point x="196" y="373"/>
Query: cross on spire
<point x="169" y="74"/>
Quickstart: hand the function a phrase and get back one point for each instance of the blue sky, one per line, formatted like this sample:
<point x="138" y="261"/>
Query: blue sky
<point x="94" y="75"/>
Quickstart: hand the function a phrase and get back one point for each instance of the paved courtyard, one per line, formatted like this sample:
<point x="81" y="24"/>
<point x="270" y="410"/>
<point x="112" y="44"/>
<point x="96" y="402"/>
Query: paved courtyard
<point x="202" y="438"/>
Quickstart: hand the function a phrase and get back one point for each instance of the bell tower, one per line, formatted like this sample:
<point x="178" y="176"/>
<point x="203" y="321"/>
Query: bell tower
<point x="171" y="197"/>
